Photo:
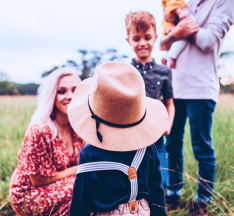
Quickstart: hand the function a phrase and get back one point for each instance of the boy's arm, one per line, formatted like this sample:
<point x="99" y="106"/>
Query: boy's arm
<point x="82" y="194"/>
<point x="157" y="198"/>
<point x="169" y="103"/>
<point x="167" y="92"/>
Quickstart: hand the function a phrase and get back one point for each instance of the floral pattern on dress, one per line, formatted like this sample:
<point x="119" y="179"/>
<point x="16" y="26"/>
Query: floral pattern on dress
<point x="46" y="157"/>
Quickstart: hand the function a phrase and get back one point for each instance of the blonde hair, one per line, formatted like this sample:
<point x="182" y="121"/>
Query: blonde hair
<point x="141" y="21"/>
<point x="46" y="98"/>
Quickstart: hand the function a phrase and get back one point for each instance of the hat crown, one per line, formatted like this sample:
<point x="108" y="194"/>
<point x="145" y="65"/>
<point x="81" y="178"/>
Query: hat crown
<point x="117" y="93"/>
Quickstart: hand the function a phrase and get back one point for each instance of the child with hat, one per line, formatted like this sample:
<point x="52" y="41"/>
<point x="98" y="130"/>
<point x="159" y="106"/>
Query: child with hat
<point x="118" y="171"/>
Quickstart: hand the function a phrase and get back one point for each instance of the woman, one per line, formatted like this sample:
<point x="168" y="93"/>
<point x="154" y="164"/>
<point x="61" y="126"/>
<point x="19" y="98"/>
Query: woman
<point x="43" y="181"/>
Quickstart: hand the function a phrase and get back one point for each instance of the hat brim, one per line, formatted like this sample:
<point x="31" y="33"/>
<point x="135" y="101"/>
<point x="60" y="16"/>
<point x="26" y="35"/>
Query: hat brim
<point x="116" y="139"/>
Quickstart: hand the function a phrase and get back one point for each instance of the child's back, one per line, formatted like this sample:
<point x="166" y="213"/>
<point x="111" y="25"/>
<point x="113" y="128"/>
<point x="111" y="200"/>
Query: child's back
<point x="103" y="191"/>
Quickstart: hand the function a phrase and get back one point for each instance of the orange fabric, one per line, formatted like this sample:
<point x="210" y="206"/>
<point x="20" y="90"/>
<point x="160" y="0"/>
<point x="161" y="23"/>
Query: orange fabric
<point x="171" y="5"/>
<point x="166" y="25"/>
<point x="133" y="207"/>
<point x="132" y="173"/>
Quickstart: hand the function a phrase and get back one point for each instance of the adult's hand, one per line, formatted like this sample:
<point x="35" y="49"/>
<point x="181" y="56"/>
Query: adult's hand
<point x="185" y="29"/>
<point x="38" y="180"/>
<point x="168" y="18"/>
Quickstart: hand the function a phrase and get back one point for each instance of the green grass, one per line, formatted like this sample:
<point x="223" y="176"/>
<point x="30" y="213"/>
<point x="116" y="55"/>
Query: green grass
<point x="15" y="114"/>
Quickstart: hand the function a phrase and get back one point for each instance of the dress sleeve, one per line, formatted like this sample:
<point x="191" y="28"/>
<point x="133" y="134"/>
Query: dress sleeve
<point x="218" y="24"/>
<point x="82" y="193"/>
<point x="157" y="199"/>
<point x="36" y="151"/>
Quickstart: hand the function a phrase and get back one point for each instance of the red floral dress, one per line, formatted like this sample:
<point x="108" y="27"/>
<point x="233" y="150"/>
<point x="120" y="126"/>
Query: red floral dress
<point x="41" y="155"/>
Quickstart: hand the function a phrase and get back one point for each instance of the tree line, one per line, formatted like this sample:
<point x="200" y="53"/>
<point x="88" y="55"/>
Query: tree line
<point x="85" y="65"/>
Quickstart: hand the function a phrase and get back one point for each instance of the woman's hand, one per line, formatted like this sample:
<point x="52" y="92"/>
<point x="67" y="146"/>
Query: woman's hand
<point x="73" y="170"/>
<point x="39" y="180"/>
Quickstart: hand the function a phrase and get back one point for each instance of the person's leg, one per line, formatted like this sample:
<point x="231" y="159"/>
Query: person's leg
<point x="200" y="114"/>
<point x="163" y="160"/>
<point x="174" y="148"/>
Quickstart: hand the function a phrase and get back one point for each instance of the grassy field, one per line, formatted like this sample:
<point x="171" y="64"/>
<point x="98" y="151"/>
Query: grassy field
<point x="15" y="114"/>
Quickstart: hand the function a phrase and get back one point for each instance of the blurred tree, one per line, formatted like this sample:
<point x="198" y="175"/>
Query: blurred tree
<point x="3" y="77"/>
<point x="11" y="88"/>
<point x="226" y="54"/>
<point x="4" y="84"/>
<point x="227" y="88"/>
<point x="90" y="60"/>
<point x="46" y="73"/>
<point x="28" y="89"/>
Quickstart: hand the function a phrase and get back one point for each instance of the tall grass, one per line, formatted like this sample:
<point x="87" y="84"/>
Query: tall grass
<point x="15" y="114"/>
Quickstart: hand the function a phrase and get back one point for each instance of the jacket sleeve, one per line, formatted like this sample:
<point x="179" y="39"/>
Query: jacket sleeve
<point x="82" y="193"/>
<point x="157" y="198"/>
<point x="218" y="24"/>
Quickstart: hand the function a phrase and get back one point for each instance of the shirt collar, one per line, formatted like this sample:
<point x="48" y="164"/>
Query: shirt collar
<point x="148" y="65"/>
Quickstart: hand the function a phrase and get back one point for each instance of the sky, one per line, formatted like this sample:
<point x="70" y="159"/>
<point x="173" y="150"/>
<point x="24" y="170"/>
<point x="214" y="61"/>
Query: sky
<point x="37" y="35"/>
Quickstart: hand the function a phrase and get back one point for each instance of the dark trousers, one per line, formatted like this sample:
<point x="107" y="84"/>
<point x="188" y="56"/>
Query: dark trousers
<point x="200" y="114"/>
<point x="160" y="145"/>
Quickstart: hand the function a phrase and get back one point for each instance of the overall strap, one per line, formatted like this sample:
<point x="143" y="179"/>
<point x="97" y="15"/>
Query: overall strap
<point x="130" y="171"/>
<point x="138" y="158"/>
<point x="100" y="166"/>
<point x="132" y="175"/>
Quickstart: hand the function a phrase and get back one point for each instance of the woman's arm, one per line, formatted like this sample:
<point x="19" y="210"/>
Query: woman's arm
<point x="185" y="28"/>
<point x="39" y="180"/>
<point x="169" y="103"/>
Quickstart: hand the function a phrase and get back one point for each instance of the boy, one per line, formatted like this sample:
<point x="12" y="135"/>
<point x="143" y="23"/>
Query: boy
<point x="141" y="30"/>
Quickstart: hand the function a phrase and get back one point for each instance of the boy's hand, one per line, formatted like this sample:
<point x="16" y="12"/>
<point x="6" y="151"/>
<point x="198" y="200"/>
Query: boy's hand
<point x="164" y="61"/>
<point x="172" y="62"/>
<point x="167" y="132"/>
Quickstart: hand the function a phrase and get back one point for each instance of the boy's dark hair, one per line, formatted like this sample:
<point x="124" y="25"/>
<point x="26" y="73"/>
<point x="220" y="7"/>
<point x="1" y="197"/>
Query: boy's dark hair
<point x="141" y="21"/>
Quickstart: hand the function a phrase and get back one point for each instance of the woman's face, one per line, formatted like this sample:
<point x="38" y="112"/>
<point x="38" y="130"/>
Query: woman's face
<point x="66" y="88"/>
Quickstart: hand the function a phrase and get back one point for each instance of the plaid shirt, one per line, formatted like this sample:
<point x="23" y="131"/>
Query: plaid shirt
<point x="157" y="78"/>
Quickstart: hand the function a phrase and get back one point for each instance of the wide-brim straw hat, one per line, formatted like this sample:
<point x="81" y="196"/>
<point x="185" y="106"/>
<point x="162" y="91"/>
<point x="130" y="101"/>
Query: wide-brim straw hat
<point x="111" y="110"/>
